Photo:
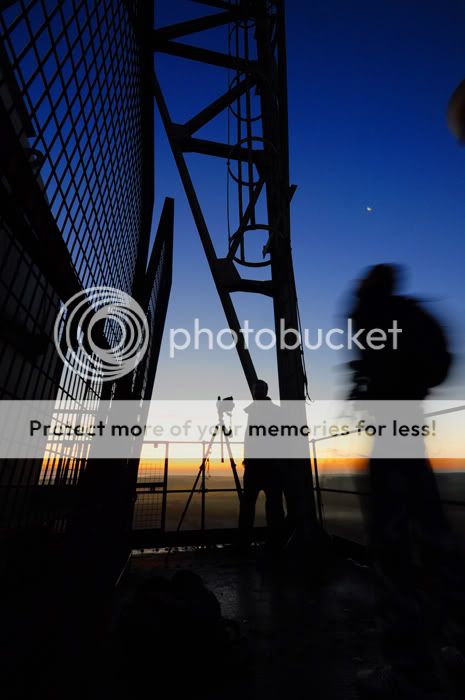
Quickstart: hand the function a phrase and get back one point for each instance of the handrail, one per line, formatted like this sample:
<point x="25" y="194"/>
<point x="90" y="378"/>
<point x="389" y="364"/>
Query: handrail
<point x="203" y="489"/>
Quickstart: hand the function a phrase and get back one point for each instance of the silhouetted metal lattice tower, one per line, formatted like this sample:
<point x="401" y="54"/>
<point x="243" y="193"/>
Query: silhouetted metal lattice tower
<point x="257" y="157"/>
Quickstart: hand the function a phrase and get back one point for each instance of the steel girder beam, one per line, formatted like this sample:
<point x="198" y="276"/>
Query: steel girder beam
<point x="220" y="4"/>
<point x="214" y="58"/>
<point x="224" y="295"/>
<point x="271" y="48"/>
<point x="195" y="25"/>
<point x="224" y="273"/>
<point x="218" y="106"/>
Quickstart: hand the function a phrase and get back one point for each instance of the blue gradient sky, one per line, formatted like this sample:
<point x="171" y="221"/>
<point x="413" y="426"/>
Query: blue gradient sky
<point x="368" y="90"/>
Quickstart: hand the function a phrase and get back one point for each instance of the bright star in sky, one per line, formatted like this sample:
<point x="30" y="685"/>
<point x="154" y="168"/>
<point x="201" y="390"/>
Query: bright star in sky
<point x="369" y="209"/>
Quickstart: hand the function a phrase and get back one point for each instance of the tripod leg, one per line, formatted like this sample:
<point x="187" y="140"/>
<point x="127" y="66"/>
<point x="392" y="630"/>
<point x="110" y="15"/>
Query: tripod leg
<point x="201" y="472"/>
<point x="202" y="511"/>
<point x="193" y="489"/>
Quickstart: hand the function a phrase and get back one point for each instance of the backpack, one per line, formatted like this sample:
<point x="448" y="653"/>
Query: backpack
<point x="425" y="343"/>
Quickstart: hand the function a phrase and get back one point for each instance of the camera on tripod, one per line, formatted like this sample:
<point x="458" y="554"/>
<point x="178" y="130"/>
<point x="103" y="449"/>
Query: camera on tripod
<point x="225" y="405"/>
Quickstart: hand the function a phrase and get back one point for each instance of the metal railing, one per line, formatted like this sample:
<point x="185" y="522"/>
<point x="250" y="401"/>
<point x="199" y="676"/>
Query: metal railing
<point x="154" y="519"/>
<point x="153" y="481"/>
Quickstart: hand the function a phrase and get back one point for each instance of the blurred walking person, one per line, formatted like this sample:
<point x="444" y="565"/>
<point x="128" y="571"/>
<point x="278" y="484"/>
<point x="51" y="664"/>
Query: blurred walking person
<point x="404" y="493"/>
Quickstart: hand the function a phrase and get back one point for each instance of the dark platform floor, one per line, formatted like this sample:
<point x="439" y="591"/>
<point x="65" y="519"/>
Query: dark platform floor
<point x="296" y="632"/>
<point x="303" y="635"/>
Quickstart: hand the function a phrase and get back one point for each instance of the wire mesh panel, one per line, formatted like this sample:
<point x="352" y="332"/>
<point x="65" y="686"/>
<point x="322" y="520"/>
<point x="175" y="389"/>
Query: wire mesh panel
<point x="76" y="194"/>
<point x="150" y="506"/>
<point x="76" y="67"/>
<point x="157" y="289"/>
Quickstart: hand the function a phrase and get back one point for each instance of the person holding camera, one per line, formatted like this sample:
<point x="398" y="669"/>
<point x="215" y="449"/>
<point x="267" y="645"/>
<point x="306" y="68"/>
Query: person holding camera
<point x="261" y="473"/>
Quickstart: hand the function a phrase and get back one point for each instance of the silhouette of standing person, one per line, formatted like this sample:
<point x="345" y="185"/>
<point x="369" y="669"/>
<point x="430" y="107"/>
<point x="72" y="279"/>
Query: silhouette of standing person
<point x="403" y="487"/>
<point x="260" y="472"/>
